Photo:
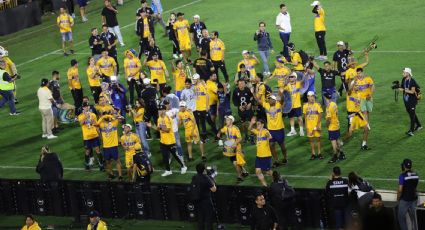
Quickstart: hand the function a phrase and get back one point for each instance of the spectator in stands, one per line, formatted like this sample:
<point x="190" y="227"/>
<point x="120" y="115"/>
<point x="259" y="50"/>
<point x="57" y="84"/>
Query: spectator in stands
<point x="96" y="44"/>
<point x="109" y="17"/>
<point x="407" y="195"/>
<point x="6" y="89"/>
<point x="95" y="222"/>
<point x="264" y="45"/>
<point x="377" y="216"/>
<point x="45" y="101"/>
<point x="65" y="22"/>
<point x="361" y="191"/>
<point x="49" y="166"/>
<point x="263" y="216"/>
<point x="30" y="223"/>
<point x="337" y="193"/>
<point x="204" y="204"/>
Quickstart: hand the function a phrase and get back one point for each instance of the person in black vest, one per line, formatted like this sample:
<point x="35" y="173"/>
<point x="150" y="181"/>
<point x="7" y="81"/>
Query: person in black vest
<point x="337" y="193"/>
<point x="263" y="216"/>
<point x="204" y="204"/>
<point x="203" y="66"/>
<point x="283" y="201"/>
<point x="407" y="196"/>
<point x="196" y="31"/>
<point x="409" y="88"/>
<point x="96" y="44"/>
<point x="110" y="44"/>
<point x="153" y="49"/>
<point x="49" y="166"/>
<point x="327" y="76"/>
<point x="204" y="43"/>
<point x="145" y="30"/>
<point x="377" y="216"/>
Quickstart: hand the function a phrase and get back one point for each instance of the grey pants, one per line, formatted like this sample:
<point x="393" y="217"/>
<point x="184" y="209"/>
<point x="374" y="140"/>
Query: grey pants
<point x="47" y="121"/>
<point x="265" y="58"/>
<point x="407" y="207"/>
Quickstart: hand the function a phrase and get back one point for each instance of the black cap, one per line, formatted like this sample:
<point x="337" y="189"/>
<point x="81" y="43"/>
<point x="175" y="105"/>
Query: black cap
<point x="155" y="54"/>
<point x="85" y="104"/>
<point x="407" y="163"/>
<point x="104" y="49"/>
<point x="327" y="95"/>
<point x="291" y="45"/>
<point x="180" y="14"/>
<point x="162" y="107"/>
<point x="94" y="213"/>
<point x="165" y="102"/>
<point x="44" y="82"/>
<point x="220" y="85"/>
<point x="74" y="62"/>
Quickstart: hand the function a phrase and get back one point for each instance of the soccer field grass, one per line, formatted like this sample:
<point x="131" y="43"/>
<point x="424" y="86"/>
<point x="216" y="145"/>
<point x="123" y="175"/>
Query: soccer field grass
<point x="36" y="51"/>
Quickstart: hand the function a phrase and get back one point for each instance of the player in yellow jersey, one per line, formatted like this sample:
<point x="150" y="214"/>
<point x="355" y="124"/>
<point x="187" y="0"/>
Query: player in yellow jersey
<point x="132" y="68"/>
<point x="217" y="53"/>
<point x="250" y="61"/>
<point x="167" y="142"/>
<point x="88" y="122"/>
<point x="320" y="29"/>
<point x="332" y="123"/>
<point x="65" y="23"/>
<point x="75" y="84"/>
<point x="296" y="60"/>
<point x="181" y="29"/>
<point x="191" y="131"/>
<point x="93" y="76"/>
<point x="158" y="70"/>
<point x="108" y="125"/>
<point x="281" y="72"/>
<point x="103" y="106"/>
<point x="263" y="160"/>
<point x="129" y="142"/>
<point x="351" y="72"/>
<point x="313" y="123"/>
<point x="107" y="66"/>
<point x="212" y="89"/>
<point x="179" y="76"/>
<point x="233" y="148"/>
<point x="293" y="87"/>
<point x="366" y="89"/>
<point x="138" y="114"/>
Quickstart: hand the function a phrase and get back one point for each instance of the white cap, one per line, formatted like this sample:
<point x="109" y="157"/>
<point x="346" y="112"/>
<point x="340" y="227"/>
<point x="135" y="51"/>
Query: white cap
<point x="231" y="118"/>
<point x="293" y="74"/>
<point x="245" y="52"/>
<point x="182" y="104"/>
<point x="146" y="81"/>
<point x="128" y="125"/>
<point x="315" y="3"/>
<point x="272" y="97"/>
<point x="114" y="78"/>
<point x="408" y="70"/>
<point x="340" y="43"/>
<point x="310" y="93"/>
<point x="195" y="76"/>
<point x="197" y="16"/>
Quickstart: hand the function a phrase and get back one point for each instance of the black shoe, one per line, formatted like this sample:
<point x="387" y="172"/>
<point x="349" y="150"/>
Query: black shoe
<point x="120" y="178"/>
<point x="239" y="180"/>
<point x="275" y="164"/>
<point x="204" y="159"/>
<point x="320" y="157"/>
<point x="71" y="51"/>
<point x="111" y="176"/>
<point x="284" y="161"/>
<point x="245" y="174"/>
<point x="16" y="101"/>
<point x="333" y="160"/>
<point x="101" y="168"/>
<point x="313" y="157"/>
<point x="65" y="54"/>
<point x="364" y="147"/>
<point x="190" y="159"/>
<point x="341" y="156"/>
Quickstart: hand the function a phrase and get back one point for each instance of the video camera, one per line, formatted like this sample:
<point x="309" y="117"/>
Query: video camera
<point x="395" y="85"/>
<point x="211" y="171"/>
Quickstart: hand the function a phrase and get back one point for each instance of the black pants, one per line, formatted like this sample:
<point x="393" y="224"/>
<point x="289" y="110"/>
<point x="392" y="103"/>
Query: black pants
<point x="143" y="47"/>
<point x="70" y="5"/>
<point x="201" y="118"/>
<point x="222" y="66"/>
<point x="414" y="121"/>
<point x="151" y="112"/>
<point x="286" y="213"/>
<point x="95" y="91"/>
<point x="205" y="214"/>
<point x="343" y="86"/>
<point x="77" y="95"/>
<point x="320" y="39"/>
<point x="176" y="49"/>
<point x="132" y="85"/>
<point x="167" y="151"/>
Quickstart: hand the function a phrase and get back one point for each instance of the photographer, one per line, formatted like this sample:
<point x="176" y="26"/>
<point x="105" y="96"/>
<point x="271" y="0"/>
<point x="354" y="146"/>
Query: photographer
<point x="49" y="166"/>
<point x="409" y="87"/>
<point x="142" y="167"/>
<point x="6" y="88"/>
<point x="119" y="101"/>
<point x="204" y="204"/>
<point x="264" y="45"/>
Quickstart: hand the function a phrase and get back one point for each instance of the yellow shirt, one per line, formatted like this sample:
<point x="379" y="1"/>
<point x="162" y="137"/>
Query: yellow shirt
<point x="353" y="102"/>
<point x="294" y="90"/>
<point x="140" y="113"/>
<point x="182" y="28"/>
<point x="166" y="138"/>
<point x="212" y="92"/>
<point x="280" y="73"/>
<point x="217" y="49"/>
<point x="365" y="86"/>
<point x="9" y="66"/>
<point x="188" y="119"/>
<point x="132" y="67"/>
<point x="129" y="141"/>
<point x="106" y="66"/>
<point x="65" y="21"/>
<point x="34" y="226"/>
<point x="311" y="112"/>
<point x="100" y="226"/>
<point x="332" y="116"/>
<point x="146" y="31"/>
<point x="201" y="97"/>
<point x="351" y="73"/>
<point x="180" y="79"/>
<point x="295" y="56"/>
<point x="232" y="133"/>
<point x="109" y="132"/>
<point x="157" y="70"/>
<point x="319" y="21"/>
<point x="91" y="73"/>
<point x="274" y="116"/>
<point x="89" y="125"/>
<point x="263" y="144"/>
<point x="261" y="93"/>
<point x="103" y="108"/>
<point x="73" y="76"/>
<point x="249" y="65"/>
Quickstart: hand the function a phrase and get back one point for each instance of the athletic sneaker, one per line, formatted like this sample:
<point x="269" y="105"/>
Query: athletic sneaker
<point x="313" y="157"/>
<point x="341" y="156"/>
<point x="73" y="15"/>
<point x="239" y="180"/>
<point x="51" y="136"/>
<point x="122" y="44"/>
<point x="292" y="133"/>
<point x="364" y="147"/>
<point x="44" y="136"/>
<point x="410" y="133"/>
<point x="333" y="160"/>
<point x="301" y="133"/>
<point x="284" y="161"/>
<point x="175" y="56"/>
<point x="275" y="164"/>
<point x="320" y="157"/>
<point x="418" y="128"/>
<point x="245" y="174"/>
<point x="101" y="168"/>
<point x="181" y="56"/>
<point x="14" y="114"/>
<point x="183" y="170"/>
<point x="84" y="19"/>
<point x="166" y="173"/>
<point x="91" y="160"/>
<point x="204" y="159"/>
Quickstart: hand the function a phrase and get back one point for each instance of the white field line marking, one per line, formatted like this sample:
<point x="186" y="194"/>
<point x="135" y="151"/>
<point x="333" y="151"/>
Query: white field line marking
<point x="79" y="43"/>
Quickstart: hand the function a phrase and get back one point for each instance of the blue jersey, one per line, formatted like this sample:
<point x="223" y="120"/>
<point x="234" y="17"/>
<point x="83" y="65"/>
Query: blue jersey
<point x="224" y="102"/>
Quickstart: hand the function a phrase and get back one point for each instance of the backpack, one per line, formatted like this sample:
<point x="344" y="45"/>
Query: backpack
<point x="282" y="191"/>
<point x="194" y="189"/>
<point x="364" y="186"/>
<point x="418" y="92"/>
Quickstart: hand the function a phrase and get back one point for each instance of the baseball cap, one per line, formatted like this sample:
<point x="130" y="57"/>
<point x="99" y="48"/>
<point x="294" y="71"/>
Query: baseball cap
<point x="407" y="163"/>
<point x="408" y="70"/>
<point x="93" y="213"/>
<point x="197" y="16"/>
<point x="128" y="125"/>
<point x="327" y="95"/>
<point x="245" y="52"/>
<point x="114" y="78"/>
<point x="291" y="45"/>
<point x="340" y="43"/>
<point x="182" y="104"/>
<point x="195" y="76"/>
<point x="293" y="74"/>
<point x="162" y="107"/>
<point x="315" y="3"/>
<point x="44" y="82"/>
<point x="74" y="62"/>
<point x="180" y="14"/>
<point x="273" y="97"/>
<point x="230" y="117"/>
<point x="310" y="93"/>
<point x="146" y="81"/>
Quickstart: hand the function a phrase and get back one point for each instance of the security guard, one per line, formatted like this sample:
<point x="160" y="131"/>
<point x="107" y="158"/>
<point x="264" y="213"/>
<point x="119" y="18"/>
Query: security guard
<point x="6" y="88"/>
<point x="95" y="222"/>
<point x="407" y="195"/>
<point x="337" y="192"/>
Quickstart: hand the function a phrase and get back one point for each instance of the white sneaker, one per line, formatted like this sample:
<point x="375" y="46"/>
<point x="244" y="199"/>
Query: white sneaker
<point x="44" y="136"/>
<point x="51" y="136"/>
<point x="301" y="133"/>
<point x="183" y="170"/>
<point x="175" y="56"/>
<point x="324" y="58"/>
<point x="73" y="15"/>
<point x="166" y="173"/>
<point x="91" y="161"/>
<point x="181" y="55"/>
<point x="84" y="19"/>
<point x="122" y="44"/>
<point x="292" y="133"/>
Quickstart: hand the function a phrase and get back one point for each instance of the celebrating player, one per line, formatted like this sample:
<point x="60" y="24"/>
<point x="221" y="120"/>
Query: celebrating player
<point x="332" y="123"/>
<point x="191" y="132"/>
<point x="158" y="70"/>
<point x="313" y="115"/>
<point x="181" y="28"/>
<point x="129" y="141"/>
<point x="65" y="22"/>
<point x="293" y="87"/>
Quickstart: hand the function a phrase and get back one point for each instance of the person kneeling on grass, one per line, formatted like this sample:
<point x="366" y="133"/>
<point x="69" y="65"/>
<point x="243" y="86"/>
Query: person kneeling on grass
<point x="129" y="141"/>
<point x="233" y="148"/>
<point x="263" y="161"/>
<point x="313" y="116"/>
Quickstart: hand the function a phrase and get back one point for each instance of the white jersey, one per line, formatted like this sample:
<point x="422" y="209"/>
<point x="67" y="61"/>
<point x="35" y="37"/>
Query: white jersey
<point x="188" y="95"/>
<point x="284" y="21"/>
<point x="173" y="114"/>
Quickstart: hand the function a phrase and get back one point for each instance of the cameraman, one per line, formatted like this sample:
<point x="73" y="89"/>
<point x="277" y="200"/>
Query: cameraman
<point x="409" y="88"/>
<point x="49" y="166"/>
<point x="204" y="204"/>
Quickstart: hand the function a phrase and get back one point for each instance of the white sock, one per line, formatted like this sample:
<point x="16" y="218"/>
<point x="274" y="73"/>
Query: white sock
<point x="301" y="129"/>
<point x="363" y="143"/>
<point x="292" y="129"/>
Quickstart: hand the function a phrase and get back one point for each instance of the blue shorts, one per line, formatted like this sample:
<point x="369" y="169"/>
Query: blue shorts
<point x="89" y="144"/>
<point x="334" y="135"/>
<point x="263" y="163"/>
<point x="178" y="93"/>
<point x="110" y="153"/>
<point x="82" y="3"/>
<point x="213" y="110"/>
<point x="278" y="136"/>
<point x="67" y="36"/>
<point x="295" y="112"/>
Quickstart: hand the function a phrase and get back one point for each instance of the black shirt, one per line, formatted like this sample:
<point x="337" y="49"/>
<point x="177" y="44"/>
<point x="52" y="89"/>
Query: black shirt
<point x="203" y="67"/>
<point x="242" y="97"/>
<point x="205" y="185"/>
<point x="381" y="218"/>
<point x="341" y="58"/>
<point x="263" y="218"/>
<point x="245" y="76"/>
<point x="205" y="45"/>
<point x="149" y="97"/>
<point x="146" y="9"/>
<point x="54" y="86"/>
<point x="196" y="29"/>
<point x="328" y="78"/>
<point x="409" y="99"/>
<point x="6" y="77"/>
<point x="409" y="180"/>
<point x="170" y="30"/>
<point x="140" y="27"/>
<point x="337" y="192"/>
<point x="50" y="169"/>
<point x="95" y="49"/>
<point x="108" y="39"/>
<point x="151" y="50"/>
<point x="110" y="16"/>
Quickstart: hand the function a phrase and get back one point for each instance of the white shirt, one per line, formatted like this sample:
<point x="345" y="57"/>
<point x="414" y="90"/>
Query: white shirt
<point x="173" y="114"/>
<point x="284" y="21"/>
<point x="44" y="95"/>
<point x="188" y="95"/>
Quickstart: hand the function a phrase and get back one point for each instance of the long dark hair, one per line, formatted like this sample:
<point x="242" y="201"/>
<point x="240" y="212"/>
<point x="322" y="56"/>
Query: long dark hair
<point x="141" y="102"/>
<point x="354" y="179"/>
<point x="276" y="176"/>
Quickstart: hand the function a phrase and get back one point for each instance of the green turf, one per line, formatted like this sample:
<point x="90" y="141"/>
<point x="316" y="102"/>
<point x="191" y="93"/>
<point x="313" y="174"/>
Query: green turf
<point x="353" y="21"/>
